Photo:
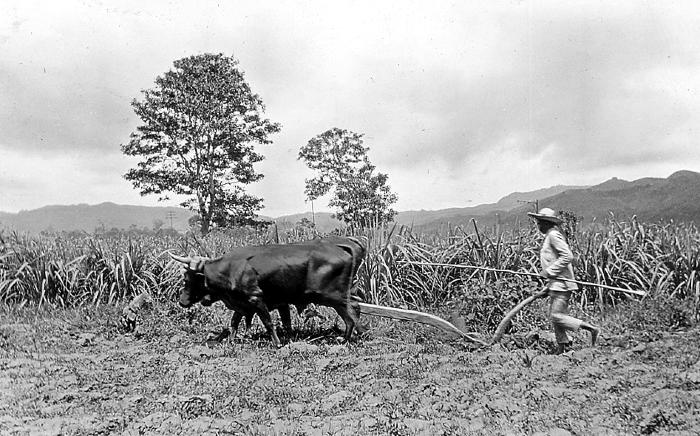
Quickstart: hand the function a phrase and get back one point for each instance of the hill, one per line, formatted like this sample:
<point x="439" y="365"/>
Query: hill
<point x="418" y="218"/>
<point x="650" y="199"/>
<point x="324" y="221"/>
<point x="83" y="217"/>
<point x="509" y="202"/>
<point x="674" y="198"/>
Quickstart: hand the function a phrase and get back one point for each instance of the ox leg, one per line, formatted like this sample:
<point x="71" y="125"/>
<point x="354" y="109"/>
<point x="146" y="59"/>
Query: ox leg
<point x="266" y="319"/>
<point x="347" y="313"/>
<point x="355" y="309"/>
<point x="300" y="308"/>
<point x="235" y="320"/>
<point x="286" y="317"/>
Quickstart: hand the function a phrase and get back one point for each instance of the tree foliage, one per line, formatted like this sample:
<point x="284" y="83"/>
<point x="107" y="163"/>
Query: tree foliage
<point x="199" y="126"/>
<point x="361" y="196"/>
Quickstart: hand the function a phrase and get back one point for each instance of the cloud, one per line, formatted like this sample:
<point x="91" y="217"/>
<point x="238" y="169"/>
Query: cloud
<point x="53" y="113"/>
<point x="464" y="97"/>
<point x="568" y="83"/>
<point x="35" y="179"/>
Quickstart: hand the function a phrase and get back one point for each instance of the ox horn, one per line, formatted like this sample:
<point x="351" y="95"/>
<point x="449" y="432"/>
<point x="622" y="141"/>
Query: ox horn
<point x="193" y="263"/>
<point x="181" y="259"/>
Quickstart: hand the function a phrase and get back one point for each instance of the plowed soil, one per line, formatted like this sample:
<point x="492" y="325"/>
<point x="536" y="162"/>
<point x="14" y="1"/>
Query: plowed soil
<point x="73" y="372"/>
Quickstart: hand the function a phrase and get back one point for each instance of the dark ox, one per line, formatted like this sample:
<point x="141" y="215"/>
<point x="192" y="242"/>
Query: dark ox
<point x="354" y="246"/>
<point x="254" y="280"/>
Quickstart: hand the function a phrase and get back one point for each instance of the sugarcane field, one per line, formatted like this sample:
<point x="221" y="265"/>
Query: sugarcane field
<point x="73" y="366"/>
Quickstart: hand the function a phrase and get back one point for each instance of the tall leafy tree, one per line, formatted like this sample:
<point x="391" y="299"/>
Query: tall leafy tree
<point x="199" y="126"/>
<point x="360" y="196"/>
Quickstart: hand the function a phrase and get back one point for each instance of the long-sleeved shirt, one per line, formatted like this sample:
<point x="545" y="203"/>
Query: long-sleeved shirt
<point x="556" y="257"/>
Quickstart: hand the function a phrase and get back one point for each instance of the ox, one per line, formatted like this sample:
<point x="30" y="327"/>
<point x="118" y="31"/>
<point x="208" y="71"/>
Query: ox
<point x="354" y="246"/>
<point x="256" y="279"/>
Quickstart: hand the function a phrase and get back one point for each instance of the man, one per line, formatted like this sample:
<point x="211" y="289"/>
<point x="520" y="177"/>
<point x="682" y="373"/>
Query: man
<point x="556" y="258"/>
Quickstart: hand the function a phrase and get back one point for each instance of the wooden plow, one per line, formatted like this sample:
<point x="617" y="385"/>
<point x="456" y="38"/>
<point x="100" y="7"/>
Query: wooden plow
<point x="416" y="316"/>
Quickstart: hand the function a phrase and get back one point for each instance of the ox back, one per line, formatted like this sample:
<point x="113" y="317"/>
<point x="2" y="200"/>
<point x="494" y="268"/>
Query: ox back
<point x="303" y="273"/>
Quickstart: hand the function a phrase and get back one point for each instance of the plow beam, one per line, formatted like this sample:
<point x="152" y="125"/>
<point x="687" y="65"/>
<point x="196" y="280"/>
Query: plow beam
<point x="416" y="316"/>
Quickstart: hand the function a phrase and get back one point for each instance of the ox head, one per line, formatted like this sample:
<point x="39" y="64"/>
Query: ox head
<point x="195" y="289"/>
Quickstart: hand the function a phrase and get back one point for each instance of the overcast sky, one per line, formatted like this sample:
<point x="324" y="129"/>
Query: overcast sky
<point x="460" y="102"/>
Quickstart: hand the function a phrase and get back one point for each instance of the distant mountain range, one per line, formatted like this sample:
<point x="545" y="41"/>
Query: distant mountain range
<point x="512" y="201"/>
<point x="650" y="199"/>
<point x="421" y="219"/>
<point x="106" y="216"/>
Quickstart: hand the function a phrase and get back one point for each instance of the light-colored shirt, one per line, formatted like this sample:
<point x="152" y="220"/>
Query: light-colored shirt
<point x="556" y="257"/>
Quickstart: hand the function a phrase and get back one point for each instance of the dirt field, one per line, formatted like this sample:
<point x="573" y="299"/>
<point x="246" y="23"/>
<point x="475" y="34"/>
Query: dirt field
<point x="72" y="372"/>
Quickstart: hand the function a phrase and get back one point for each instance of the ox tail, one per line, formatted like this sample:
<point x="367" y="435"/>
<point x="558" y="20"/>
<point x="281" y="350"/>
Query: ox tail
<point x="353" y="271"/>
<point x="416" y="316"/>
<point x="356" y="249"/>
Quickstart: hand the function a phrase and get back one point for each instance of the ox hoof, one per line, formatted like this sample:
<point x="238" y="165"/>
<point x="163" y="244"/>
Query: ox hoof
<point x="217" y="338"/>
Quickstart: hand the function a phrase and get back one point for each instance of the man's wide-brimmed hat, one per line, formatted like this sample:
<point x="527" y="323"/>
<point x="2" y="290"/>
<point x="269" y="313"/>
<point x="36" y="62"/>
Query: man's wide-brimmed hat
<point x="546" y="214"/>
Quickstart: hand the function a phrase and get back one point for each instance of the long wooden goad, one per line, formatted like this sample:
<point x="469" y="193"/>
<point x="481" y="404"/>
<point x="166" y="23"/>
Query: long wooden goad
<point x="528" y="274"/>
<point x="416" y="316"/>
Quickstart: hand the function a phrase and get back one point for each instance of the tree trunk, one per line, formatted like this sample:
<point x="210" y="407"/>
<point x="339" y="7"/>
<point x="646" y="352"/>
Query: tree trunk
<point x="204" y="215"/>
<point x="205" y="226"/>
